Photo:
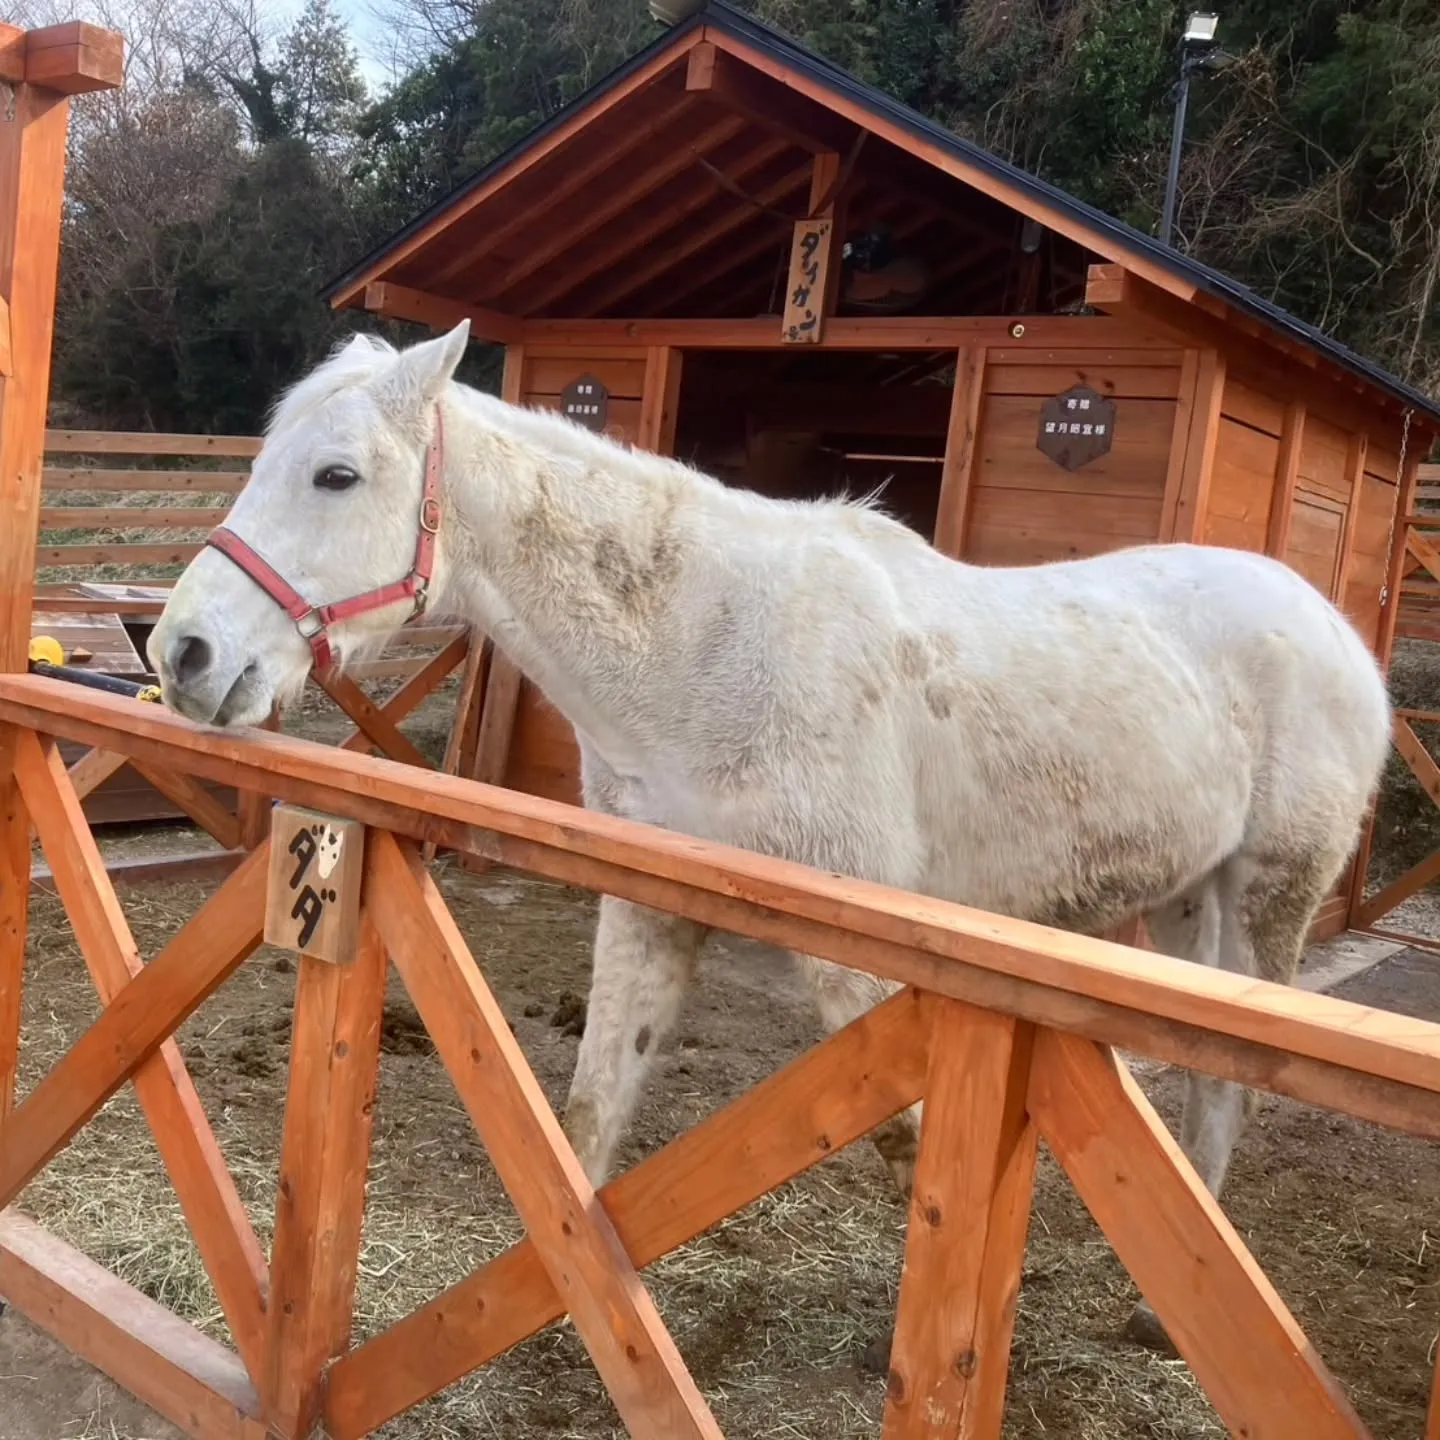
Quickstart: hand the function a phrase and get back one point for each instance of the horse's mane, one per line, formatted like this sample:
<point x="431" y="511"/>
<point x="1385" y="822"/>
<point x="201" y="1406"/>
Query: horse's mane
<point x="351" y="362"/>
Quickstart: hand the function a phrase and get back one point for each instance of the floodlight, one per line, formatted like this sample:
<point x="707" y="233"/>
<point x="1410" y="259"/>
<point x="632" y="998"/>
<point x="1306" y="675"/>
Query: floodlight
<point x="1200" y="28"/>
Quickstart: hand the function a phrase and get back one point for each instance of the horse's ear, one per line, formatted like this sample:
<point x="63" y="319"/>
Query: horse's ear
<point x="425" y="369"/>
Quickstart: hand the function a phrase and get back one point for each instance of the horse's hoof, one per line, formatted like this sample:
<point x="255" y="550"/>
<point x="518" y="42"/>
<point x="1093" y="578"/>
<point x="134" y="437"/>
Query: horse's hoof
<point x="876" y="1357"/>
<point x="1144" y="1328"/>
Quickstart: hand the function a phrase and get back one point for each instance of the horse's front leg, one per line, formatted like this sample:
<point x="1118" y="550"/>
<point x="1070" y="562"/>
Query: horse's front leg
<point x="643" y="964"/>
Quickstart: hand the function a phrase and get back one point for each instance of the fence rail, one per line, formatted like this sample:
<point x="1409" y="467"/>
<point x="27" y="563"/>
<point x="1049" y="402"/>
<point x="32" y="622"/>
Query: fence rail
<point x="1003" y="1027"/>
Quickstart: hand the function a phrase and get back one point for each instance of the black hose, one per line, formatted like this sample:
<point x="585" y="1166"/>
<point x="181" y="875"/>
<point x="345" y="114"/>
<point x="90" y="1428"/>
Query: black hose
<point x="111" y="683"/>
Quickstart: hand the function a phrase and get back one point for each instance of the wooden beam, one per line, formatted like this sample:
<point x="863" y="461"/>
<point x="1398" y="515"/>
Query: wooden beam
<point x="138" y="1018"/>
<point x="145" y="1004"/>
<point x="1287" y="471"/>
<point x="143" y="442"/>
<point x="7" y="356"/>
<point x="617" y="156"/>
<point x="1179" y="442"/>
<point x="962" y="452"/>
<point x="75" y="58"/>
<point x="32" y="178"/>
<point x="1254" y="1362"/>
<point x="14" y="916"/>
<point x="660" y="403"/>
<point x="667" y="252"/>
<point x="416" y="690"/>
<point x="912" y="332"/>
<point x="196" y="801"/>
<point x="1274" y="1037"/>
<point x="806" y="1112"/>
<point x="737" y="88"/>
<point x="1192" y="501"/>
<point x="324" y="1164"/>
<point x="191" y="1380"/>
<point x="965" y="1243"/>
<point x="497" y="720"/>
<point x="616" y="203"/>
<point x="400" y="302"/>
<point x="609" y="1306"/>
<point x="371" y="718"/>
<point x="145" y="869"/>
<point x="465" y="721"/>
<point x="610" y="264"/>
<point x="1405" y="491"/>
<point x="1415" y="879"/>
<point x="1355" y="453"/>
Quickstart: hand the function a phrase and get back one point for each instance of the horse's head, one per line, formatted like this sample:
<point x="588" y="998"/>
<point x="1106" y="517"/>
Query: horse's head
<point x="332" y="513"/>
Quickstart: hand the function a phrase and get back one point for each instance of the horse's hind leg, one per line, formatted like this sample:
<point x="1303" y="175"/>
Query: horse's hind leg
<point x="643" y="964"/>
<point x="1188" y="928"/>
<point x="1267" y="906"/>
<point x="1254" y="919"/>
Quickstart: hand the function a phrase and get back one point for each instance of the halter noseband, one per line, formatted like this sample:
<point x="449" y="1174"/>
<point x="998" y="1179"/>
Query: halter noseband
<point x="314" y="621"/>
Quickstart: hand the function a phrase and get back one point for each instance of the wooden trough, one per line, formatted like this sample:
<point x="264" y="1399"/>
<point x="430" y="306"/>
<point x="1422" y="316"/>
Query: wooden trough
<point x="1005" y="1029"/>
<point x="675" y="242"/>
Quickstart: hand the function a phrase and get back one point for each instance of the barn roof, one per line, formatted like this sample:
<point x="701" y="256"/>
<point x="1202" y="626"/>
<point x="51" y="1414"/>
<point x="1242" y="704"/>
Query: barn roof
<point x="642" y="198"/>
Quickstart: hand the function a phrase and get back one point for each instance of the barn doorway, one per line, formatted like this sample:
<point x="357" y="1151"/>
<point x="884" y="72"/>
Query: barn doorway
<point x="805" y="426"/>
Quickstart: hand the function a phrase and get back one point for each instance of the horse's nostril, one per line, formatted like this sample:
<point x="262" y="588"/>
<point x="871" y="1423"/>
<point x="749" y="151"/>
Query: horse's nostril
<point x="192" y="658"/>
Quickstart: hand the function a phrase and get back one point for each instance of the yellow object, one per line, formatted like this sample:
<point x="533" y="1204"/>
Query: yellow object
<point x="150" y="693"/>
<point x="42" y="647"/>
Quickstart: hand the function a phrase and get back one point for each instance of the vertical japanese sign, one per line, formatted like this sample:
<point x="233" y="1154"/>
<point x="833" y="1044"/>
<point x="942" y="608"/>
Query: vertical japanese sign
<point x="313" y="902"/>
<point x="805" y="293"/>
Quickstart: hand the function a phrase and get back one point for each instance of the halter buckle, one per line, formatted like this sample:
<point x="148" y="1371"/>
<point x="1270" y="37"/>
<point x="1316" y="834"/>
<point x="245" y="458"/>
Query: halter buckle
<point x="430" y="515"/>
<point x="312" y="617"/>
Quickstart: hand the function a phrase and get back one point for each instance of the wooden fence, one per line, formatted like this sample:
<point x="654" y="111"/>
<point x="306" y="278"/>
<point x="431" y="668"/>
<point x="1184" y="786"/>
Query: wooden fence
<point x="1416" y="565"/>
<point x="1003" y="1027"/>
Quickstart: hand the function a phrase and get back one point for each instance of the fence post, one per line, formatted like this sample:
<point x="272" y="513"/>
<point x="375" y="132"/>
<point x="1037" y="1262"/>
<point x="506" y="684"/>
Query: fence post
<point x="34" y="119"/>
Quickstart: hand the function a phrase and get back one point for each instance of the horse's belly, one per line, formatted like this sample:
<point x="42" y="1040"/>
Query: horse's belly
<point x="1084" y="847"/>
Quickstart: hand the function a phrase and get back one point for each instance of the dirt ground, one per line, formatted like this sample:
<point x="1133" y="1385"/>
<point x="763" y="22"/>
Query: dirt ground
<point x="774" y="1309"/>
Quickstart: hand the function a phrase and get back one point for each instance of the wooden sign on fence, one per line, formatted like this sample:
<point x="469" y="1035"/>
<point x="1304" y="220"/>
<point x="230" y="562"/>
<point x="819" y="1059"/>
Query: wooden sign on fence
<point x="313" y="901"/>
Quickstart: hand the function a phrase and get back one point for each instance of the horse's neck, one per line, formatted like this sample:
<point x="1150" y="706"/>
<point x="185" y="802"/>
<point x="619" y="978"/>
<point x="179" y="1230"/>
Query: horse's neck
<point x="576" y="558"/>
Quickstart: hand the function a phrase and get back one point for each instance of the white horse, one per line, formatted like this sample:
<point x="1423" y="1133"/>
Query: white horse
<point x="1187" y="733"/>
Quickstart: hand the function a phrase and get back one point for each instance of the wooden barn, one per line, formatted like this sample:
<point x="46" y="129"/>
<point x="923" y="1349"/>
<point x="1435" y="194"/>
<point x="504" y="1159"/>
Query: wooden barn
<point x="736" y="253"/>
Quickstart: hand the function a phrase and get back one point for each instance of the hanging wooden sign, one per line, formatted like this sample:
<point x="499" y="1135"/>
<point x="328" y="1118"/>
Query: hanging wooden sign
<point x="313" y="900"/>
<point x="805" y="295"/>
<point x="1076" y="427"/>
<point x="587" y="402"/>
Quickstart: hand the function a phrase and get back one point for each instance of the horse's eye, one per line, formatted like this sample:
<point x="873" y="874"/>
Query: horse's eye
<point x="335" y="477"/>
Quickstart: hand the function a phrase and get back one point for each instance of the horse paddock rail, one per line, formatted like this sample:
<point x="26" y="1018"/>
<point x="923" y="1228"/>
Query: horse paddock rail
<point x="1004" y="1028"/>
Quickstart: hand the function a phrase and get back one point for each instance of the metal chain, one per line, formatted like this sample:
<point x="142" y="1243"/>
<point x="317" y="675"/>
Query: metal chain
<point x="1395" y="509"/>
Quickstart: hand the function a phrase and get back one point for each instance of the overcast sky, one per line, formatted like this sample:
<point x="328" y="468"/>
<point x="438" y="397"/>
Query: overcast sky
<point x="366" y="31"/>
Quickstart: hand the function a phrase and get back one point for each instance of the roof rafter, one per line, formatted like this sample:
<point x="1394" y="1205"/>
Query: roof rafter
<point x="494" y="238"/>
<point x="620" y="200"/>
<point x="636" y="240"/>
<point x="630" y="282"/>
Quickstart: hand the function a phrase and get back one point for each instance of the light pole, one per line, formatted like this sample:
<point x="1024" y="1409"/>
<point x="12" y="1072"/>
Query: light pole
<point x="1199" y="50"/>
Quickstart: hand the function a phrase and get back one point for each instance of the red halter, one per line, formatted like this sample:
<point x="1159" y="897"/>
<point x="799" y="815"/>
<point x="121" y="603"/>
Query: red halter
<point x="314" y="621"/>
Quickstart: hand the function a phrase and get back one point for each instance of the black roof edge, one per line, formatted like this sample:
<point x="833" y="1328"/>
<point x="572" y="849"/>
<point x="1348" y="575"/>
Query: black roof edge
<point x="725" y="17"/>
